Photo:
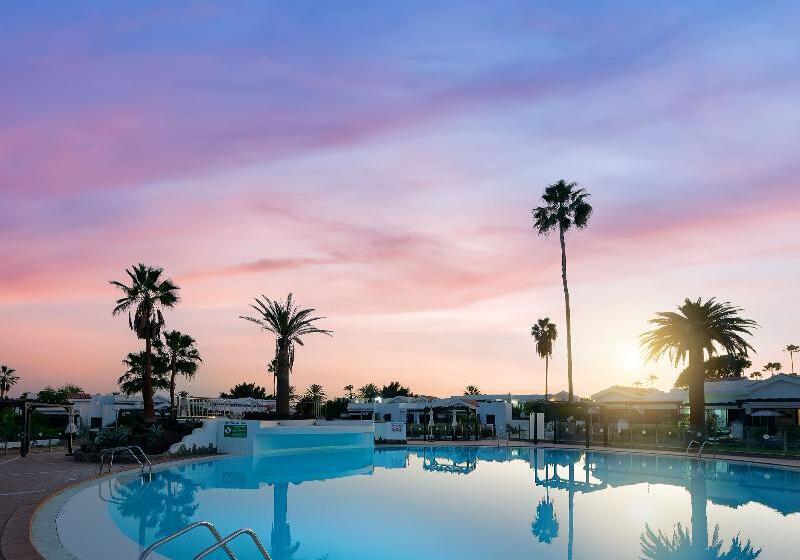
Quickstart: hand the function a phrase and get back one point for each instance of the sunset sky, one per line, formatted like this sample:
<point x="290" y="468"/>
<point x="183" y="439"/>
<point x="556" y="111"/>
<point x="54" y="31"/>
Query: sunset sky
<point x="380" y="160"/>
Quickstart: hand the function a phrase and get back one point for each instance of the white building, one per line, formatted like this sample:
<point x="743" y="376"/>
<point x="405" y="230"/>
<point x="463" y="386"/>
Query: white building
<point x="417" y="410"/>
<point x="98" y="411"/>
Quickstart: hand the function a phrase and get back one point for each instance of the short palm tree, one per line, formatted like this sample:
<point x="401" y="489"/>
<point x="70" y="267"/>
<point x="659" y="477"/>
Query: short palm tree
<point x="289" y="323"/>
<point x="471" y="390"/>
<point x="7" y="380"/>
<point x="369" y="392"/>
<point x="699" y="328"/>
<point x="565" y="205"/>
<point x="772" y="367"/>
<point x="544" y="333"/>
<point x="132" y="381"/>
<point x="315" y="393"/>
<point x="756" y="375"/>
<point x="792" y="349"/>
<point x="545" y="525"/>
<point x="183" y="359"/>
<point x="147" y="294"/>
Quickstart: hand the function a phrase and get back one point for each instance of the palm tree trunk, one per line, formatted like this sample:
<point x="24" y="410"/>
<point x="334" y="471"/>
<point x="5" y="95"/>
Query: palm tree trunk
<point x="173" y="408"/>
<point x="697" y="392"/>
<point x="282" y="374"/>
<point x="546" y="368"/>
<point x="566" y="306"/>
<point x="147" y="383"/>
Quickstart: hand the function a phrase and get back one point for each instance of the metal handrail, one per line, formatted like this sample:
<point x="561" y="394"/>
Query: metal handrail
<point x="691" y="443"/>
<point x="130" y="449"/>
<point x="224" y="542"/>
<point x="707" y="442"/>
<point x="146" y="552"/>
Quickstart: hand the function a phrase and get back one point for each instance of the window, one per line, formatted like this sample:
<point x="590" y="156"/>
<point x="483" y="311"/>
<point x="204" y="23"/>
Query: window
<point x="95" y="422"/>
<point x="490" y="419"/>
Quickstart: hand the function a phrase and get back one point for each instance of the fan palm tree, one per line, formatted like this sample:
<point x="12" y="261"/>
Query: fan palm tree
<point x="565" y="205"/>
<point x="7" y="380"/>
<point x="699" y="328"/>
<point x="146" y="295"/>
<point x="545" y="334"/>
<point x="772" y="367"/>
<point x="791" y="349"/>
<point x="289" y="323"/>
<point x="183" y="359"/>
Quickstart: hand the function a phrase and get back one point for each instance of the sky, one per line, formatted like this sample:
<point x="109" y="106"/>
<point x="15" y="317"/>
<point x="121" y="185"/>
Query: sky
<point x="380" y="161"/>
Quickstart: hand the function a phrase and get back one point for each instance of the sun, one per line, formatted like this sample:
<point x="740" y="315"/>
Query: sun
<point x="629" y="358"/>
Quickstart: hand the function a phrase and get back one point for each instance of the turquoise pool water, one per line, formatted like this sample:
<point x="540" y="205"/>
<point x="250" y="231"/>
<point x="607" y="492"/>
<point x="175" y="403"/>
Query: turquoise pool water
<point x="470" y="503"/>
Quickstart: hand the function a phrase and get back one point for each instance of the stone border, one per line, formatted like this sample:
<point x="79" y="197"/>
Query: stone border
<point x="44" y="531"/>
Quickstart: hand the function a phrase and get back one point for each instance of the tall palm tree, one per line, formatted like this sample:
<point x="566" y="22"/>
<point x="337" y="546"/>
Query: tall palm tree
<point x="566" y="205"/>
<point x="348" y="389"/>
<point x="545" y="334"/>
<point x="147" y="295"/>
<point x="289" y="323"/>
<point x="792" y="348"/>
<point x="652" y="378"/>
<point x="7" y="380"/>
<point x="183" y="359"/>
<point x="699" y="328"/>
<point x="756" y="375"/>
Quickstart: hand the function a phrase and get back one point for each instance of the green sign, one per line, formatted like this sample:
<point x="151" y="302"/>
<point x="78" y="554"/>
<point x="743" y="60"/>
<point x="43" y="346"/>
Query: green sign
<point x="235" y="430"/>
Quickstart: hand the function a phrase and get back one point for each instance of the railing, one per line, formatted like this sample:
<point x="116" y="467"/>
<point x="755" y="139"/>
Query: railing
<point x="691" y="443"/>
<point x="707" y="442"/>
<point x="221" y="542"/>
<point x="130" y="449"/>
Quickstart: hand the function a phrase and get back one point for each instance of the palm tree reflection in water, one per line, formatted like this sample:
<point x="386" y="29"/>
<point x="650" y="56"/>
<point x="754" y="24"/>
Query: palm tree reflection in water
<point x="167" y="503"/>
<point x="683" y="545"/>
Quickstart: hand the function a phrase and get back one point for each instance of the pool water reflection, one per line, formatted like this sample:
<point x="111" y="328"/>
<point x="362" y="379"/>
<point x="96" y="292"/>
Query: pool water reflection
<point x="471" y="502"/>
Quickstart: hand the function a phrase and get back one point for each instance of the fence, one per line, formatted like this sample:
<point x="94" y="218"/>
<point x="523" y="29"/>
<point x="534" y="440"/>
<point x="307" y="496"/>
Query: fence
<point x="781" y="441"/>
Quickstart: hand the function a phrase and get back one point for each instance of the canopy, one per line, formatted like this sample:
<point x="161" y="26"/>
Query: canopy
<point x="767" y="414"/>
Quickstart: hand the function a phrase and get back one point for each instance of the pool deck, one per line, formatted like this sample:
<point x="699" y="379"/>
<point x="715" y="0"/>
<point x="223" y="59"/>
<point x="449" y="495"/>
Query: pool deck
<point x="26" y="483"/>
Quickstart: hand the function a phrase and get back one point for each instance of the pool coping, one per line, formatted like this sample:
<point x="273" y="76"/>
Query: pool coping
<point x="43" y="531"/>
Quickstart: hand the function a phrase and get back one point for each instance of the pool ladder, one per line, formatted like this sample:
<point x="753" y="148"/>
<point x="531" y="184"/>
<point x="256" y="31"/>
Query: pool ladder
<point x="222" y="542"/>
<point x="130" y="449"/>
<point x="702" y="447"/>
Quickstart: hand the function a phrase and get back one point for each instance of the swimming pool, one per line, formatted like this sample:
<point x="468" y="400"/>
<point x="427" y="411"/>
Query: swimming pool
<point x="445" y="502"/>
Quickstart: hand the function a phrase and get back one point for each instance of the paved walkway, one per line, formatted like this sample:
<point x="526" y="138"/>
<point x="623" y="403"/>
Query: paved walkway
<point x="24" y="483"/>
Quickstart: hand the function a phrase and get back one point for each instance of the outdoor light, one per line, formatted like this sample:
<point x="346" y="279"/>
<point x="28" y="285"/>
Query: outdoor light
<point x="644" y="432"/>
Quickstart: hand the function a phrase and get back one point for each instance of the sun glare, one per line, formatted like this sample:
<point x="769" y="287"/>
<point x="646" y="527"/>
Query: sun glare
<point x="629" y="358"/>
